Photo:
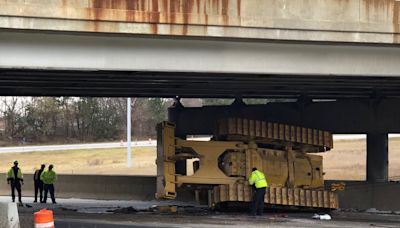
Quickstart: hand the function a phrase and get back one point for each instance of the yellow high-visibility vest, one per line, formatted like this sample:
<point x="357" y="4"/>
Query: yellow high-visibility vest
<point x="10" y="174"/>
<point x="258" y="178"/>
<point x="48" y="177"/>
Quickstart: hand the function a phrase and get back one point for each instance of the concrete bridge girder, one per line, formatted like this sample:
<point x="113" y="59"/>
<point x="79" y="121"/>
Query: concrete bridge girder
<point x="358" y="21"/>
<point x="90" y="52"/>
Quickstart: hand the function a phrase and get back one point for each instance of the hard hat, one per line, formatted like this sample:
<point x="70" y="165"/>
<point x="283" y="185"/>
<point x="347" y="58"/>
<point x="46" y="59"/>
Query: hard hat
<point x="15" y="162"/>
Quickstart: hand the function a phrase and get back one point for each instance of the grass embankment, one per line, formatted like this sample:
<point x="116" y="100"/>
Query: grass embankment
<point x="346" y="161"/>
<point x="92" y="161"/>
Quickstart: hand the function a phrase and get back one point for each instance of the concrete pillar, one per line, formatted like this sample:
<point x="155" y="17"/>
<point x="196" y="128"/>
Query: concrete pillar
<point x="377" y="157"/>
<point x="173" y="116"/>
<point x="174" y="110"/>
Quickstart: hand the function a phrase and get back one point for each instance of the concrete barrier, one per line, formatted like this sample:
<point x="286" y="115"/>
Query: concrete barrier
<point x="363" y="195"/>
<point x="357" y="195"/>
<point x="9" y="215"/>
<point x="93" y="187"/>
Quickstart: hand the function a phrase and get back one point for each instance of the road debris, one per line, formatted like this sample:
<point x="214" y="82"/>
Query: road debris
<point x="124" y="210"/>
<point x="322" y="217"/>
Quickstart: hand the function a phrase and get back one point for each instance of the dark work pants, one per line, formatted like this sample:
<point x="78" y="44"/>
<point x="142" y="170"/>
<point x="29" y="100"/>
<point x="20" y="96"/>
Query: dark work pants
<point x="16" y="185"/>
<point x="39" y="189"/>
<point x="258" y="201"/>
<point x="49" y="188"/>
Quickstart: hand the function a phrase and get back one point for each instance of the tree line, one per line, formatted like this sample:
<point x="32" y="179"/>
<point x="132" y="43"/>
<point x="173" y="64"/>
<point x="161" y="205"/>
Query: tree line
<point x="85" y="119"/>
<point x="77" y="119"/>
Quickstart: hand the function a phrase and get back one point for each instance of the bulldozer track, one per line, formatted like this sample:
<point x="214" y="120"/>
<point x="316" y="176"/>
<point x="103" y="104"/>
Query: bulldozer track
<point x="301" y="138"/>
<point x="310" y="198"/>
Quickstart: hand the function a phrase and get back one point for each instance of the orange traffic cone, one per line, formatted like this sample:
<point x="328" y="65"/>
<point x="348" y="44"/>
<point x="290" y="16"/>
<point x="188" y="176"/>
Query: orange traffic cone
<point x="44" y="219"/>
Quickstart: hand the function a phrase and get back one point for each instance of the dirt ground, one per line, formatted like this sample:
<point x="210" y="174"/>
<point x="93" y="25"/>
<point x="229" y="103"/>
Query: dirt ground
<point x="347" y="161"/>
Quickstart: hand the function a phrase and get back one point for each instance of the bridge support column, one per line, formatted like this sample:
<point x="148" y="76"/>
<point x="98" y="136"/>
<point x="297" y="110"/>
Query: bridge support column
<point x="173" y="116"/>
<point x="377" y="157"/>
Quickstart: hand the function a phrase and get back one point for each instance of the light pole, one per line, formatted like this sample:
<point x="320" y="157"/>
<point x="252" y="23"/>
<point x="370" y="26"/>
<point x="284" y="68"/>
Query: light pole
<point x="128" y="132"/>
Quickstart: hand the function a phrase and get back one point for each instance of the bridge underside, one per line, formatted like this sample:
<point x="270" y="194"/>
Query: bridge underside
<point x="363" y="82"/>
<point x="33" y="82"/>
<point x="85" y="64"/>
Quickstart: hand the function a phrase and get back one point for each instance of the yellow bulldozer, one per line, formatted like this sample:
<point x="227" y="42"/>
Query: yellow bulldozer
<point x="221" y="166"/>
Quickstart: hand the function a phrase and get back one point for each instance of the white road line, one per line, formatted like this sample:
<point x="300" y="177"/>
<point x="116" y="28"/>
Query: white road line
<point x="24" y="149"/>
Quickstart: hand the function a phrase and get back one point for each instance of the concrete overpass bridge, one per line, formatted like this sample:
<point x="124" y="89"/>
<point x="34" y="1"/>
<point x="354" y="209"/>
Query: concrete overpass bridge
<point x="342" y="50"/>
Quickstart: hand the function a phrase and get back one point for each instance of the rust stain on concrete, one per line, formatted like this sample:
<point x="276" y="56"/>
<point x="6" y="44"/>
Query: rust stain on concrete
<point x="155" y="16"/>
<point x="225" y="10"/>
<point x="374" y="6"/>
<point x="238" y="7"/>
<point x="387" y="11"/>
<point x="198" y="6"/>
<point x="131" y="5"/>
<point x="180" y="12"/>
<point x="396" y="25"/>
<point x="187" y="9"/>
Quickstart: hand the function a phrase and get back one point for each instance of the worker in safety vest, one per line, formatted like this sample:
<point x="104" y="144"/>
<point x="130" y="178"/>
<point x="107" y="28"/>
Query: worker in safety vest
<point x="49" y="177"/>
<point x="38" y="184"/>
<point x="15" y="179"/>
<point x="257" y="180"/>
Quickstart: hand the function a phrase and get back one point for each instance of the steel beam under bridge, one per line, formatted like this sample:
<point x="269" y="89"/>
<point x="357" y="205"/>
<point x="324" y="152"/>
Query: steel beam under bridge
<point x="93" y="65"/>
<point x="348" y="116"/>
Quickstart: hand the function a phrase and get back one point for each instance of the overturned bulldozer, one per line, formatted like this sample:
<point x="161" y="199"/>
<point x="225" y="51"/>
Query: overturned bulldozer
<point x="221" y="166"/>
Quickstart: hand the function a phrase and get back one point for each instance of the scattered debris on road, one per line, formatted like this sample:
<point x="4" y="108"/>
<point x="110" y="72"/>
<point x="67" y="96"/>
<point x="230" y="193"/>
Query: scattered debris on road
<point x="322" y="217"/>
